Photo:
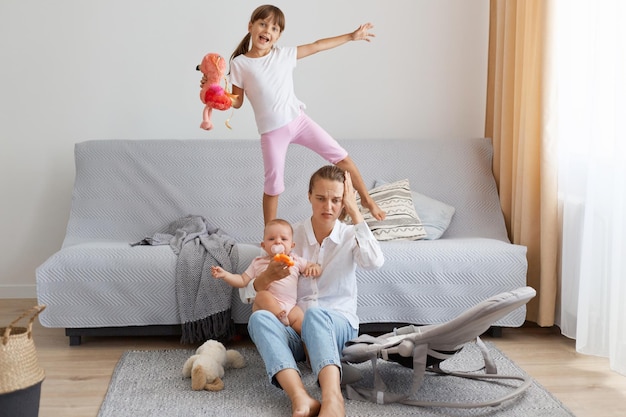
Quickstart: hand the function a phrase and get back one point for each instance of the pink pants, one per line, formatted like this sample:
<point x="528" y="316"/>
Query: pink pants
<point x="302" y="131"/>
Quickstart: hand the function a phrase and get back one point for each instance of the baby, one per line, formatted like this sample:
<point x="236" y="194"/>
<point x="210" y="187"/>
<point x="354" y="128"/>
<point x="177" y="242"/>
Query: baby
<point x="280" y="297"/>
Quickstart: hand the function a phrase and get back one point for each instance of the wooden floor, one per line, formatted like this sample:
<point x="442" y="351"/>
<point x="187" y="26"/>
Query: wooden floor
<point x="77" y="377"/>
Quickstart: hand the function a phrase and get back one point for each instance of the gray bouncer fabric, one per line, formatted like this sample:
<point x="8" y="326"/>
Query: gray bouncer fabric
<point x="423" y="348"/>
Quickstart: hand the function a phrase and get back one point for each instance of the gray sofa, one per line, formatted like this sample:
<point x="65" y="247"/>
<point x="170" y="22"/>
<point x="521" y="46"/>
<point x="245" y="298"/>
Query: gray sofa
<point x="125" y="190"/>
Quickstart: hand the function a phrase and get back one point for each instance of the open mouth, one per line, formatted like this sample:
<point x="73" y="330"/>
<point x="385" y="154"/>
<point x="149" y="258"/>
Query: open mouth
<point x="264" y="39"/>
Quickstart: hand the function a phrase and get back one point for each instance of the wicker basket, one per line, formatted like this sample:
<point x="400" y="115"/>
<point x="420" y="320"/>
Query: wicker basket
<point x="19" y="367"/>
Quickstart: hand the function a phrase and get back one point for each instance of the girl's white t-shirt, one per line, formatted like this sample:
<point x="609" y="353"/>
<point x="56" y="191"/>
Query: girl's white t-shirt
<point x="268" y="84"/>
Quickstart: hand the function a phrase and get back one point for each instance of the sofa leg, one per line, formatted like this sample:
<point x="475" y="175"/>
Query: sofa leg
<point x="75" y="340"/>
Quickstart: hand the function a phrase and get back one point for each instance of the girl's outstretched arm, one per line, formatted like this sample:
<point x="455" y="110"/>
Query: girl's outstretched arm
<point x="361" y="34"/>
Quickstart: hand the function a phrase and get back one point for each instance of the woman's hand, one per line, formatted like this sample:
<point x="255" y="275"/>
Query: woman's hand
<point x="349" y="200"/>
<point x="275" y="270"/>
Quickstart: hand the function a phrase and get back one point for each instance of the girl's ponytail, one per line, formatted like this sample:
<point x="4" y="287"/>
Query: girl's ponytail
<point x="243" y="47"/>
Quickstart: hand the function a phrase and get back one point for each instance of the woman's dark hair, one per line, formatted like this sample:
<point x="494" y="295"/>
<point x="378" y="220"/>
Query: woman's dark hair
<point x="327" y="172"/>
<point x="260" y="13"/>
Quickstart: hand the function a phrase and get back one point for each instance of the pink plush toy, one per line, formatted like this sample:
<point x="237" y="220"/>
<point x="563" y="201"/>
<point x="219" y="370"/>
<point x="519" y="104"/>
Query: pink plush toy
<point x="213" y="66"/>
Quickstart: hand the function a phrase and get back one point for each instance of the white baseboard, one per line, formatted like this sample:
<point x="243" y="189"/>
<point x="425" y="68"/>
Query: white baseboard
<point x="18" y="291"/>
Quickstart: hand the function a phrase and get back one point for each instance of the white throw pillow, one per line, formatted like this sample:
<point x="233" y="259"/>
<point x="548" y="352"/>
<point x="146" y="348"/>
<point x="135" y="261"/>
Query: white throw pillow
<point x="402" y="221"/>
<point x="435" y="215"/>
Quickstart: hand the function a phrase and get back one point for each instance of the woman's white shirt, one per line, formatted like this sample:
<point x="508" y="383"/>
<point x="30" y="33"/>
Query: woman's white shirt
<point x="346" y="248"/>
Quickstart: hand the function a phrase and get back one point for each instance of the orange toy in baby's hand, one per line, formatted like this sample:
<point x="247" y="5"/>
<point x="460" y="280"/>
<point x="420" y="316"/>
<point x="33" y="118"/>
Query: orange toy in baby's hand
<point x="281" y="257"/>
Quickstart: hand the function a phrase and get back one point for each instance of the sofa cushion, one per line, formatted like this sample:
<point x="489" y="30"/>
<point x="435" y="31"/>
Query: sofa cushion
<point x="434" y="214"/>
<point x="111" y="284"/>
<point x="402" y="221"/>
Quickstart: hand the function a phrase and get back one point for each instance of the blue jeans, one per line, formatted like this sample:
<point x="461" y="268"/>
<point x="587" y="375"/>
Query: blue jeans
<point x="324" y="332"/>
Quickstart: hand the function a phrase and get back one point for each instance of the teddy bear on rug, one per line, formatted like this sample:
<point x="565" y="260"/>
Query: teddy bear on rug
<point x="206" y="367"/>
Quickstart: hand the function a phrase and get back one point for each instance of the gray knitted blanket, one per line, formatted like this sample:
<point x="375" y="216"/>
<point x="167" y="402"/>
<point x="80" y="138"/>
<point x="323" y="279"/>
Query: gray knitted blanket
<point x="203" y="302"/>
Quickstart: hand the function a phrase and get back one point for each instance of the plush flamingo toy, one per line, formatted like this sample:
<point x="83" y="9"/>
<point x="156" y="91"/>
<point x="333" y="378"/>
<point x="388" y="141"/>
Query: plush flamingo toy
<point x="212" y="94"/>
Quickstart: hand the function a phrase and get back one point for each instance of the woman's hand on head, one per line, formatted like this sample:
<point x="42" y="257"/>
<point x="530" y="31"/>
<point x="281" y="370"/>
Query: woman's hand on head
<point x="349" y="200"/>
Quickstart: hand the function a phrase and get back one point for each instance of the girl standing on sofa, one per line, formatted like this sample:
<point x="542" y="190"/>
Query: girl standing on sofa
<point x="264" y="72"/>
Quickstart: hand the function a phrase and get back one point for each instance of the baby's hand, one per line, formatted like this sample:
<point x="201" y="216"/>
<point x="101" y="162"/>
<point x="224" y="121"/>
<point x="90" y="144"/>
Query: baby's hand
<point x="217" y="272"/>
<point x="312" y="270"/>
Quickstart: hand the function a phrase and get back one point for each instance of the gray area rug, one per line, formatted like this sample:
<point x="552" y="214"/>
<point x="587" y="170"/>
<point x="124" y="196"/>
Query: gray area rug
<point x="150" y="383"/>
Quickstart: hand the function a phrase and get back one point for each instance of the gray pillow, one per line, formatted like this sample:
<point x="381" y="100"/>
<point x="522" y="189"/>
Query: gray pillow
<point x="434" y="214"/>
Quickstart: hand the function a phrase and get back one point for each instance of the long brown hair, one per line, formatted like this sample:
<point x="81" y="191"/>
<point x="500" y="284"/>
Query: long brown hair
<point x="260" y="13"/>
<point x="327" y="172"/>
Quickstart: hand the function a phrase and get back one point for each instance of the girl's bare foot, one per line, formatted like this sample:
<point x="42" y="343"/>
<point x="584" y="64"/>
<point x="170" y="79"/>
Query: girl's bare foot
<point x="305" y="406"/>
<point x="374" y="209"/>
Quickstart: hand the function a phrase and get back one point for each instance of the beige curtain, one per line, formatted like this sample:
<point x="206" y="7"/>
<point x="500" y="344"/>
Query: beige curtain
<point x="517" y="117"/>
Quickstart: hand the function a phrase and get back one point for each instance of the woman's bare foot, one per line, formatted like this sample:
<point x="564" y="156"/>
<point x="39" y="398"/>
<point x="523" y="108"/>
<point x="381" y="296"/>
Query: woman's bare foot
<point x="376" y="211"/>
<point x="305" y="406"/>
<point x="333" y="405"/>
<point x="302" y="404"/>
<point x="332" y="398"/>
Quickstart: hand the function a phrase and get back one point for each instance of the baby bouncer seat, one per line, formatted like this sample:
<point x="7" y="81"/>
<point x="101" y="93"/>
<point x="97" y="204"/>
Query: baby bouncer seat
<point x="424" y="348"/>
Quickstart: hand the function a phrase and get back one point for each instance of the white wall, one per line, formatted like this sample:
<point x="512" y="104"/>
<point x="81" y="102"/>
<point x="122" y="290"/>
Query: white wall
<point x="74" y="70"/>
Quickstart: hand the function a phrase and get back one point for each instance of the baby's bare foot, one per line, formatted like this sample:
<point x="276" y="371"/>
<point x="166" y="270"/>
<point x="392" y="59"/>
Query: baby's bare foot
<point x="282" y="316"/>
